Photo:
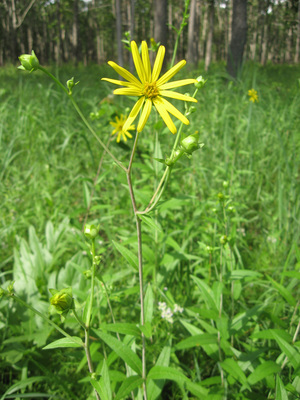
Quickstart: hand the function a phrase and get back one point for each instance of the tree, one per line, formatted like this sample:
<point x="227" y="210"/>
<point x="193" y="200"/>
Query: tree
<point x="160" y="21"/>
<point x="209" y="42"/>
<point x="193" y="34"/>
<point x="238" y="38"/>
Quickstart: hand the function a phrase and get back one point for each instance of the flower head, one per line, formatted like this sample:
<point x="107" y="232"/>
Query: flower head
<point x="119" y="128"/>
<point x="253" y="96"/>
<point x="150" y="89"/>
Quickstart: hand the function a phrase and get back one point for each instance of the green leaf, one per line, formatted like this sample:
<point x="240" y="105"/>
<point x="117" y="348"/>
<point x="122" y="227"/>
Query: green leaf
<point x="155" y="389"/>
<point x="233" y="369"/>
<point x="196" y="340"/>
<point x="22" y="384"/>
<point x="269" y="334"/>
<point x="239" y="274"/>
<point x="162" y="372"/>
<point x="128" y="255"/>
<point x="146" y="329"/>
<point x="150" y="222"/>
<point x="73" y="341"/>
<point x="122" y="351"/>
<point x="207" y="293"/>
<point x="281" y="393"/>
<point x="86" y="195"/>
<point x="290" y="351"/>
<point x="149" y="302"/>
<point x="283" y="292"/>
<point x="128" y="385"/>
<point x="103" y="386"/>
<point x="262" y="371"/>
<point x="123" y="328"/>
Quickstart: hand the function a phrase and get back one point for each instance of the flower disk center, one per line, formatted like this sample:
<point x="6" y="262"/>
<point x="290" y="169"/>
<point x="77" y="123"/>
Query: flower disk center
<point x="150" y="90"/>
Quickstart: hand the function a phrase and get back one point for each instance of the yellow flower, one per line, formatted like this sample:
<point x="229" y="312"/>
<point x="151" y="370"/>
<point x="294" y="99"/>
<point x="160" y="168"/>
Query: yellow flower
<point x="119" y="128"/>
<point x="253" y="95"/>
<point x="150" y="89"/>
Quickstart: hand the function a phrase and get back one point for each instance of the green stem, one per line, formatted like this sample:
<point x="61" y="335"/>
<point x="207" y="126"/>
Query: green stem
<point x="78" y="319"/>
<point x="83" y="117"/>
<point x="184" y="18"/>
<point x="93" y="269"/>
<point x="140" y="260"/>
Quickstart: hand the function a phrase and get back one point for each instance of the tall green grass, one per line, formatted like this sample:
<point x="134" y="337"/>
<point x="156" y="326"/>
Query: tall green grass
<point x="243" y="184"/>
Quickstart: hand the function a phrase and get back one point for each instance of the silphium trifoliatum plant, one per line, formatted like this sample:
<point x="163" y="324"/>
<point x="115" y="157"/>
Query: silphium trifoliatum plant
<point x="153" y="91"/>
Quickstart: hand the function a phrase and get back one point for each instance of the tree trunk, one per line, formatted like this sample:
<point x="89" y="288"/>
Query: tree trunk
<point x="160" y="21"/>
<point x="209" y="42"/>
<point x="296" y="59"/>
<point x="119" y="32"/>
<point x="75" y="32"/>
<point x="239" y="37"/>
<point x="193" y="35"/>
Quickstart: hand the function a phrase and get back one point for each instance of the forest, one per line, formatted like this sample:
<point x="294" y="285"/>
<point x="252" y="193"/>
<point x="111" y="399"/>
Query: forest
<point x="92" y="30"/>
<point x="150" y="200"/>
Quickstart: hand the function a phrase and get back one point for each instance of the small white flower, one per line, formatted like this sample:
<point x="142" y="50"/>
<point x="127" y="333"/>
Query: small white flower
<point x="165" y="288"/>
<point x="167" y="315"/>
<point x="177" y="308"/>
<point x="271" y="239"/>
<point x="162" y="306"/>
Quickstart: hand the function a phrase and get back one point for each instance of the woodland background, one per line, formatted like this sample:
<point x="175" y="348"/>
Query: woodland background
<point x="90" y="31"/>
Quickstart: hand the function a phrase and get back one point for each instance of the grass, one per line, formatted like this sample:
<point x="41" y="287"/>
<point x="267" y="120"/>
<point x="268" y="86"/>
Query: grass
<point x="226" y="249"/>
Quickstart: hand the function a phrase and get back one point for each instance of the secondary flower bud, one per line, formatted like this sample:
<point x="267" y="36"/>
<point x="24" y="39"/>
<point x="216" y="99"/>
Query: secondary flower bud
<point x="29" y="62"/>
<point x="62" y="300"/>
<point x="71" y="84"/>
<point x="200" y="82"/>
<point x="91" y="231"/>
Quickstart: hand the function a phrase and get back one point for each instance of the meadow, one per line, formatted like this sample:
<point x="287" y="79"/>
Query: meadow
<point x="221" y="251"/>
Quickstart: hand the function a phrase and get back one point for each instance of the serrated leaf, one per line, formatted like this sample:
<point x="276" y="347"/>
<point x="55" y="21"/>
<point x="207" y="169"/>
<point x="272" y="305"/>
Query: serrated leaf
<point x="128" y="255"/>
<point x="196" y="340"/>
<point x="123" y="328"/>
<point x="128" y="385"/>
<point x="73" y="341"/>
<point x="122" y="350"/>
<point x="262" y="371"/>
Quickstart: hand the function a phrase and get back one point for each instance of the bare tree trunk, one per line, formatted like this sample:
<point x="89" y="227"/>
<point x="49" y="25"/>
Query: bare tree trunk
<point x="75" y="32"/>
<point x="160" y="21"/>
<point x="193" y="35"/>
<point x="296" y="59"/>
<point x="239" y="37"/>
<point x="119" y="32"/>
<point x="211" y="16"/>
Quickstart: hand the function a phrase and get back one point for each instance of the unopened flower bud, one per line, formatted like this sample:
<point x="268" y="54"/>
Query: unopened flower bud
<point x="225" y="184"/>
<point x="91" y="231"/>
<point x="223" y="239"/>
<point x="221" y="197"/>
<point x="200" y="82"/>
<point x="190" y="143"/>
<point x="172" y="160"/>
<point x="62" y="300"/>
<point x="29" y="62"/>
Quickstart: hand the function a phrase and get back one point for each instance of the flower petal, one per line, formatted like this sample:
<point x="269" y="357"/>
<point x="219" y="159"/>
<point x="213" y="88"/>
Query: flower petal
<point x="133" y="113"/>
<point x="169" y="74"/>
<point x="164" y="114"/>
<point x="128" y="91"/>
<point x="117" y="82"/>
<point x="172" y="85"/>
<point x="146" y="61"/>
<point x="158" y="63"/>
<point x="173" y="110"/>
<point x="138" y="62"/>
<point x="123" y="72"/>
<point x="145" y="115"/>
<point x="175" y="95"/>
